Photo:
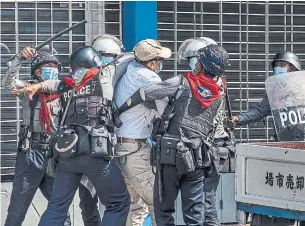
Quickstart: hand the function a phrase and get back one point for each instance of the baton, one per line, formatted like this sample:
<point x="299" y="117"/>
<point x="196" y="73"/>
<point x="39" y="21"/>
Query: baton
<point x="228" y="104"/>
<point x="59" y="34"/>
<point x="55" y="37"/>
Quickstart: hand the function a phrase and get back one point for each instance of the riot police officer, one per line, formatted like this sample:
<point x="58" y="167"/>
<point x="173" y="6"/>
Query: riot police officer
<point x="283" y="62"/>
<point x="40" y="118"/>
<point x="85" y="141"/>
<point x="109" y="48"/>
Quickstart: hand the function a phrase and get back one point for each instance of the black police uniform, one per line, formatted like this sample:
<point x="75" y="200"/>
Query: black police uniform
<point x="89" y="120"/>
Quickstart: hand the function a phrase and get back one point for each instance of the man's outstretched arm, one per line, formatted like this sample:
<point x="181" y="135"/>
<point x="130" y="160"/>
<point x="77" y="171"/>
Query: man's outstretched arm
<point x="260" y="111"/>
<point x="155" y="91"/>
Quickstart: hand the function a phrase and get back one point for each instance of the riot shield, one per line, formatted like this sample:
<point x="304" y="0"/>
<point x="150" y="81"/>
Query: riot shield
<point x="286" y="94"/>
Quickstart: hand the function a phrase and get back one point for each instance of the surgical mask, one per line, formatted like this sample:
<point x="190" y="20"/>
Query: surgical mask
<point x="49" y="73"/>
<point x="280" y="70"/>
<point x="107" y="59"/>
<point x="160" y="68"/>
<point x="193" y="64"/>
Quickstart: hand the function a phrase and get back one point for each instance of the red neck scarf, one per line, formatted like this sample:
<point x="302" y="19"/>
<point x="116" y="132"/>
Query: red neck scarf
<point x="44" y="114"/>
<point x="205" y="89"/>
<point x="70" y="79"/>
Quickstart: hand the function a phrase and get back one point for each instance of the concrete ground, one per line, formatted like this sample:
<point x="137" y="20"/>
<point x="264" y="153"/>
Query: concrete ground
<point x="39" y="205"/>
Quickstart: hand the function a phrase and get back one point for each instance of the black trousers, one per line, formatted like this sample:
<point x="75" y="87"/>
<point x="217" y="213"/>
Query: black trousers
<point x="30" y="174"/>
<point x="108" y="182"/>
<point x="191" y="186"/>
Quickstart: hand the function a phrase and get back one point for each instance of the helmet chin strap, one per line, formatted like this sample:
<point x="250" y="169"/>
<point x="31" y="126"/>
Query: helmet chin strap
<point x="199" y="68"/>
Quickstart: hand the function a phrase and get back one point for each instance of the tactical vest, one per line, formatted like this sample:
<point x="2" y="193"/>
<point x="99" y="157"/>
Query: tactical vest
<point x="87" y="106"/>
<point x="89" y="118"/>
<point x="190" y="119"/>
<point x="31" y="128"/>
<point x="189" y="127"/>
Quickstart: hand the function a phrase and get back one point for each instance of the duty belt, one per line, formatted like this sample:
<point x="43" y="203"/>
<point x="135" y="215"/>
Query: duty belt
<point x="130" y="140"/>
<point x="41" y="137"/>
<point x="38" y="146"/>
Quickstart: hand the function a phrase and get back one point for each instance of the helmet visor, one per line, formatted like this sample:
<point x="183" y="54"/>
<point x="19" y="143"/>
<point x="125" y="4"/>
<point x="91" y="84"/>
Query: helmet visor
<point x="189" y="48"/>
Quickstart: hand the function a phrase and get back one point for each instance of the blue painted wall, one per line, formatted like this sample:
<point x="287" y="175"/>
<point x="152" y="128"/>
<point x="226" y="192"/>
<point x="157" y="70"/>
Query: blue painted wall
<point x="139" y="21"/>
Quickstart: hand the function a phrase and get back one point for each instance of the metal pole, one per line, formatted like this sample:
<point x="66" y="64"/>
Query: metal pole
<point x="285" y="24"/>
<point x="240" y="65"/>
<point x="88" y="25"/>
<point x="176" y="39"/>
<point x="220" y="22"/>
<point x="120" y="20"/>
<point x="70" y="32"/>
<point x="267" y="53"/>
<point x="291" y="26"/>
<point x="201" y="18"/>
<point x="36" y="24"/>
<point x="194" y="10"/>
<point x="17" y="51"/>
<point x="247" y="64"/>
<point x="51" y="44"/>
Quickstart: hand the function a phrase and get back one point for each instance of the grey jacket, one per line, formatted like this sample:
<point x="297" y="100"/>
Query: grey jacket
<point x="260" y="111"/>
<point x="10" y="81"/>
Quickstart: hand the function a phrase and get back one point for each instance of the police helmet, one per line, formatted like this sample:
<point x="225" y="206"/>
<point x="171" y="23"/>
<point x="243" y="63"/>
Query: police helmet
<point x="189" y="48"/>
<point x="289" y="57"/>
<point x="85" y="56"/>
<point x="108" y="44"/>
<point x="43" y="58"/>
<point x="214" y="59"/>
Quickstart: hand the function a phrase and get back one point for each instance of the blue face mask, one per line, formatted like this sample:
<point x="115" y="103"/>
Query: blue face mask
<point x="193" y="64"/>
<point x="160" y="68"/>
<point x="280" y="70"/>
<point x="49" y="73"/>
<point x="106" y="60"/>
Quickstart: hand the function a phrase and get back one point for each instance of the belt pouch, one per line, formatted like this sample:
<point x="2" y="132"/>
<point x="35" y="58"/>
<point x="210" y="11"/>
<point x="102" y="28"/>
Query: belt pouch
<point x="206" y="156"/>
<point x="153" y="155"/>
<point x="22" y="135"/>
<point x="185" y="161"/>
<point x="83" y="144"/>
<point x="198" y="157"/>
<point x="66" y="142"/>
<point x="43" y="147"/>
<point x="168" y="150"/>
<point x="101" y="147"/>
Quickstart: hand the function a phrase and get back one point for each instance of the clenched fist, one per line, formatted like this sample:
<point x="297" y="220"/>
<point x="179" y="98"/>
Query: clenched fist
<point x="28" y="53"/>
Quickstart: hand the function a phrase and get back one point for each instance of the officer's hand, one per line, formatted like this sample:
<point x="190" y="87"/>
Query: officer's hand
<point x="28" y="53"/>
<point x="30" y="90"/>
<point x="233" y="122"/>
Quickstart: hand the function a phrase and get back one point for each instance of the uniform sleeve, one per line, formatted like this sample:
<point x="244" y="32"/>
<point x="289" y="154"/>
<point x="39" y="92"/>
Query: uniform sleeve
<point x="49" y="86"/>
<point x="10" y="80"/>
<point x="257" y="113"/>
<point x="160" y="90"/>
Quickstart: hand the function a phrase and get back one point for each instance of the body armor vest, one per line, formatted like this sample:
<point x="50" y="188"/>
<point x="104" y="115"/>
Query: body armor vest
<point x="88" y="106"/>
<point x="88" y="126"/>
<point x="190" y="119"/>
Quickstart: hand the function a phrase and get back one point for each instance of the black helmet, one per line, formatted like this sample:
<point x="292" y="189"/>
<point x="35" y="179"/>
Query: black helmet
<point x="43" y="58"/>
<point x="85" y="56"/>
<point x="287" y="57"/>
<point x="214" y="59"/>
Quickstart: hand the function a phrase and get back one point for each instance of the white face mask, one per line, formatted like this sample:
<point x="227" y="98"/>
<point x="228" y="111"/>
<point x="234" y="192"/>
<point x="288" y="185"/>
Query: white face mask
<point x="193" y="63"/>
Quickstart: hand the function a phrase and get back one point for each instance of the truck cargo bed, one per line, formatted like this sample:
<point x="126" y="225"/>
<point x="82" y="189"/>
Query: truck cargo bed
<point x="272" y="175"/>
